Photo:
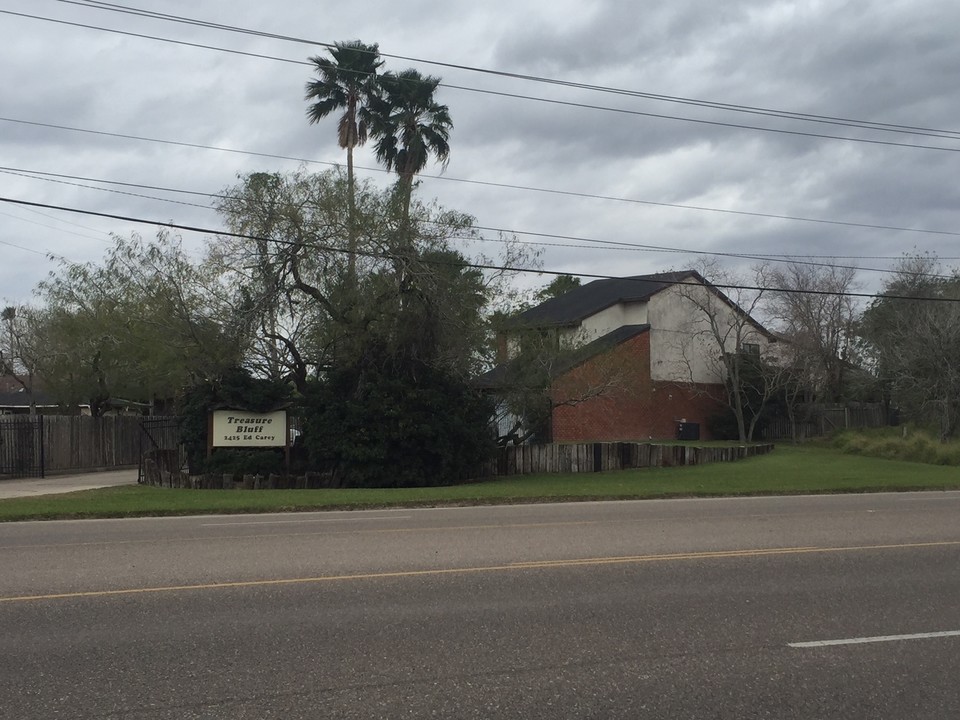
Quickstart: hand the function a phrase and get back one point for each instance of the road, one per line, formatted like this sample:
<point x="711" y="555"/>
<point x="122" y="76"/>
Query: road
<point x="802" y="607"/>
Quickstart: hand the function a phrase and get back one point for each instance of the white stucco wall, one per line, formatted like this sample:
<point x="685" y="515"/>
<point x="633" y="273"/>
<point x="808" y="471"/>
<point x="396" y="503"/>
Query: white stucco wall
<point x="597" y="325"/>
<point x="611" y="318"/>
<point x="683" y="348"/>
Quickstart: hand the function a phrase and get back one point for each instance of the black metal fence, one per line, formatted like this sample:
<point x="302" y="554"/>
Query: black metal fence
<point x="161" y="451"/>
<point x="21" y="447"/>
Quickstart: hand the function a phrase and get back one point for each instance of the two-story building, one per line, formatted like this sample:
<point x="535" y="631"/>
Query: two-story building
<point x="628" y="358"/>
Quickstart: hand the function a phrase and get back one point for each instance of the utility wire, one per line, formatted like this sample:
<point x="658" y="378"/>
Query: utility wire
<point x="611" y="245"/>
<point x="473" y="265"/>
<point x="485" y="183"/>
<point x="732" y="107"/>
<point x="563" y="103"/>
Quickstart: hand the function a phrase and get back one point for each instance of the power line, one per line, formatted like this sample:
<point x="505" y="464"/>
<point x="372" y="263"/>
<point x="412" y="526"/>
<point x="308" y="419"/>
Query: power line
<point x="35" y="176"/>
<point x="732" y="107"/>
<point x="485" y="183"/>
<point x="473" y="265"/>
<point x="563" y="103"/>
<point x="612" y="245"/>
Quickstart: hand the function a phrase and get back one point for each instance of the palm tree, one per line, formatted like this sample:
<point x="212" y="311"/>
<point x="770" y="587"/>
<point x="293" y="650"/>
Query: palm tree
<point x="410" y="126"/>
<point x="348" y="83"/>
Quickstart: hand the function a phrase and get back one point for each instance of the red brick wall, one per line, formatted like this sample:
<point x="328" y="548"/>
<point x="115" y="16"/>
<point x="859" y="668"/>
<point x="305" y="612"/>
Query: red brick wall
<point x="611" y="397"/>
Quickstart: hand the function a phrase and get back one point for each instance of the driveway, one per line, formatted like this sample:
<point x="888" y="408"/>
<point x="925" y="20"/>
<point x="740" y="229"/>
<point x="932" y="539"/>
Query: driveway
<point x="29" y="487"/>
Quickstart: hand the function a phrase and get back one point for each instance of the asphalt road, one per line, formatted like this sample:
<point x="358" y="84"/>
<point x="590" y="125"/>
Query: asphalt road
<point x="804" y="607"/>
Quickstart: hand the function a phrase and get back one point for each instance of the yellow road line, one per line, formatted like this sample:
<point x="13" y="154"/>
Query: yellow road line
<point x="532" y="565"/>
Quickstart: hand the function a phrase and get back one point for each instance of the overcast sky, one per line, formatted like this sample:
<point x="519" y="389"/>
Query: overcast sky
<point x="657" y="181"/>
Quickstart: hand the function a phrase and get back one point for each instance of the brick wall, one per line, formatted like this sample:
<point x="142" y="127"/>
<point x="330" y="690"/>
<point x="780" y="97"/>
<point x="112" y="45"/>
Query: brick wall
<point x="611" y="397"/>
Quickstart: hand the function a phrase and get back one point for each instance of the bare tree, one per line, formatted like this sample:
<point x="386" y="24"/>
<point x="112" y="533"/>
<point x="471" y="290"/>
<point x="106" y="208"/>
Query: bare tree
<point x="17" y="350"/>
<point x="815" y="315"/>
<point x="722" y="345"/>
<point x="550" y="372"/>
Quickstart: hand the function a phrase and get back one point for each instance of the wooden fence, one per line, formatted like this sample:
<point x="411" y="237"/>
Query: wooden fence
<point x="512" y="460"/>
<point x="78" y="443"/>
<point x="596" y="457"/>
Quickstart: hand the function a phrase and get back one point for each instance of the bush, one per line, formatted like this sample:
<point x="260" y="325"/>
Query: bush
<point x="889" y="443"/>
<point x="723" y="426"/>
<point x="245" y="462"/>
<point x="396" y="423"/>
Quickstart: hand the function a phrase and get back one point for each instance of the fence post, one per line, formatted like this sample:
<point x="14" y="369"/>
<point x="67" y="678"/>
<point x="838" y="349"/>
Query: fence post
<point x="43" y="445"/>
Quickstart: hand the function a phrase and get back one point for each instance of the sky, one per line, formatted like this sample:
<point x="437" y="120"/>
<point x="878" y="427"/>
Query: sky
<point x="658" y="165"/>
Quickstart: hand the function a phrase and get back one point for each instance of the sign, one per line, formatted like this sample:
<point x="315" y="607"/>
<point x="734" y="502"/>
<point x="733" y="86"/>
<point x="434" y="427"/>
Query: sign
<point x="242" y="428"/>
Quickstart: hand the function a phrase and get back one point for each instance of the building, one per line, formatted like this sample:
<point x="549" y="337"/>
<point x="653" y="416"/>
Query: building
<point x="632" y="358"/>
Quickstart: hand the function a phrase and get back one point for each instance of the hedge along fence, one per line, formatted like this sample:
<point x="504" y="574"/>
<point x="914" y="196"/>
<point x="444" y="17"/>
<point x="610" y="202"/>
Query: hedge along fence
<point x="512" y="460"/>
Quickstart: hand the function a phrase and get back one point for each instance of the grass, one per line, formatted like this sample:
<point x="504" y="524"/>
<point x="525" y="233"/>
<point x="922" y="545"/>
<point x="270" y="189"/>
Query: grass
<point x="899" y="443"/>
<point x="788" y="470"/>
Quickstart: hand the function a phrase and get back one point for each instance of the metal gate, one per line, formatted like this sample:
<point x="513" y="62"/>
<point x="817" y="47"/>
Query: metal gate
<point x="21" y="446"/>
<point x="161" y="449"/>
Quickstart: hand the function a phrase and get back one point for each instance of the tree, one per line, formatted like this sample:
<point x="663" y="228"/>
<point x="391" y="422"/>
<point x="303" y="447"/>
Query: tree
<point x="394" y="420"/>
<point x="911" y="334"/>
<point x="550" y="371"/>
<point x="139" y="326"/>
<point x="410" y="126"/>
<point x="348" y="83"/>
<point x="721" y="343"/>
<point x="288" y="277"/>
<point x="17" y="350"/>
<point x="560" y="285"/>
<point x="816" y="316"/>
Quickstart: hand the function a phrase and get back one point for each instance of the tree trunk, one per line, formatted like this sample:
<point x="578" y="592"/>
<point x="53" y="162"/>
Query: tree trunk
<point x="351" y="224"/>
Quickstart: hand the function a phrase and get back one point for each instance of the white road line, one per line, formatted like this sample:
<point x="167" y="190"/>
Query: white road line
<point x="876" y="639"/>
<point x="299" y="522"/>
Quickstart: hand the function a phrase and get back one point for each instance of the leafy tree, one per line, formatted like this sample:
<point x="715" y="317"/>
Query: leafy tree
<point x="289" y="279"/>
<point x="348" y="82"/>
<point x="911" y="334"/>
<point x="560" y="285"/>
<point x="410" y="126"/>
<point x="139" y="326"/>
<point x="393" y="420"/>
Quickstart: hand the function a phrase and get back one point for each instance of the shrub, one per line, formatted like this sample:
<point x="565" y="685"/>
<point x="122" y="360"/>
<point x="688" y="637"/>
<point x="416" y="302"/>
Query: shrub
<point x="889" y="443"/>
<point x="395" y="422"/>
<point x="245" y="462"/>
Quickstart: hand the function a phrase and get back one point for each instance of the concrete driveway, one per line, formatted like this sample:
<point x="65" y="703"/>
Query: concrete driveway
<point x="28" y="487"/>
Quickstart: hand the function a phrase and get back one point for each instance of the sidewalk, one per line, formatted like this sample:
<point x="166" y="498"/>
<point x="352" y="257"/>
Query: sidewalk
<point x="29" y="487"/>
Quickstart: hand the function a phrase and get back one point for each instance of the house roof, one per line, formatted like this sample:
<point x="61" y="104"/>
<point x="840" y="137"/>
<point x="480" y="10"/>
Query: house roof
<point x="21" y="399"/>
<point x="582" y="302"/>
<point x="500" y="376"/>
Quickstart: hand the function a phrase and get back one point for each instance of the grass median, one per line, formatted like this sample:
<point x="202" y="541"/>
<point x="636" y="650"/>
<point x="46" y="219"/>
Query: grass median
<point x="788" y="470"/>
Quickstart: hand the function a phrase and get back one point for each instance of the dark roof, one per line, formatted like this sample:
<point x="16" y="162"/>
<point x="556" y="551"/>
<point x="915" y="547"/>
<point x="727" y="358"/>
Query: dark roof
<point x="21" y="399"/>
<point x="500" y="376"/>
<point x="582" y="302"/>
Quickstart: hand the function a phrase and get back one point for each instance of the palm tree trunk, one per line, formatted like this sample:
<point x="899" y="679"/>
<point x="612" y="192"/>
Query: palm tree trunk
<point x="351" y="225"/>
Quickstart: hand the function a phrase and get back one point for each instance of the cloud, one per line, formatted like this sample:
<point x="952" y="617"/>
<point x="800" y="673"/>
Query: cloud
<point x="892" y="63"/>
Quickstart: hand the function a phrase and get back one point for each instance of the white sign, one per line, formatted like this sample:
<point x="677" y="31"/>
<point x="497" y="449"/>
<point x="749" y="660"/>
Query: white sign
<point x="241" y="428"/>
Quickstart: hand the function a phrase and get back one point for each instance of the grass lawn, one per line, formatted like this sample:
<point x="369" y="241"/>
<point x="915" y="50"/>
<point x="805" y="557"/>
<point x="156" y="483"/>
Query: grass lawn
<point x="787" y="470"/>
